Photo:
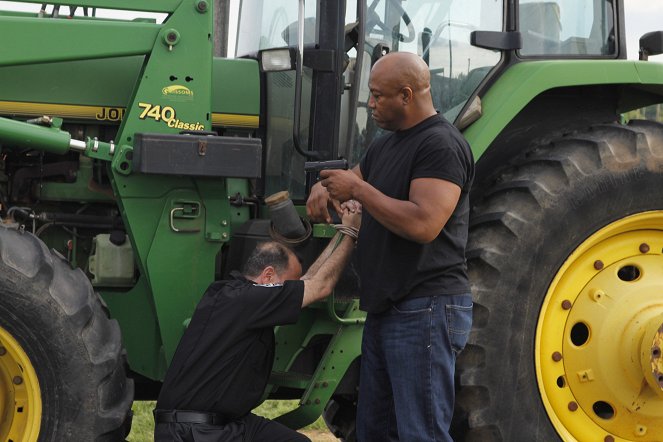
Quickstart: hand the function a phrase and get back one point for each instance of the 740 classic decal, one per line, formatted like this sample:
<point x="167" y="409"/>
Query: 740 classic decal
<point x="168" y="115"/>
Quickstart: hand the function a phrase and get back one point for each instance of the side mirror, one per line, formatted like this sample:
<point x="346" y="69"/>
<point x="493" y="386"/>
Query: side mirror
<point x="651" y="44"/>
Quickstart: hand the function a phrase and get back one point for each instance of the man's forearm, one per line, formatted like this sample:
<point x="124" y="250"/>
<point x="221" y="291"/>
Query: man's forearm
<point x="321" y="284"/>
<point x="313" y="269"/>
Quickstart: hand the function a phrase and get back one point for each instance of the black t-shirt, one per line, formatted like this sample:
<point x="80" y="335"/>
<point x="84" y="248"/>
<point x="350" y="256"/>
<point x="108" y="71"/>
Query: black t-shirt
<point x="392" y="268"/>
<point x="224" y="359"/>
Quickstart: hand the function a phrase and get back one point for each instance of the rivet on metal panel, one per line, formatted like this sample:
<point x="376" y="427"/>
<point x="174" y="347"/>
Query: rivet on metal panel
<point x="201" y="6"/>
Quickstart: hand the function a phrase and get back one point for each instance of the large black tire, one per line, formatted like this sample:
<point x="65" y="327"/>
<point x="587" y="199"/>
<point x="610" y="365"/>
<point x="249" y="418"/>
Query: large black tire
<point x="523" y="229"/>
<point x="54" y="317"/>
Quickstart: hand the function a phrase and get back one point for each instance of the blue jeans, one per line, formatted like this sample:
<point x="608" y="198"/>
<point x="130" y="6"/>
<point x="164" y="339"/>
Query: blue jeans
<point x="406" y="385"/>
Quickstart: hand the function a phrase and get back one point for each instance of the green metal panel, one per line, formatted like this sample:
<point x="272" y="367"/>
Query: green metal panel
<point x="524" y="81"/>
<point x="75" y="39"/>
<point x="128" y="5"/>
<point x="236" y="87"/>
<point x="141" y="334"/>
<point x="73" y="82"/>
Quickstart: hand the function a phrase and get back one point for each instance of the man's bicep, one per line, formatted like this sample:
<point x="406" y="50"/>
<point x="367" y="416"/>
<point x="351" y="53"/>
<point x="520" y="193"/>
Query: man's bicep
<point x="437" y="199"/>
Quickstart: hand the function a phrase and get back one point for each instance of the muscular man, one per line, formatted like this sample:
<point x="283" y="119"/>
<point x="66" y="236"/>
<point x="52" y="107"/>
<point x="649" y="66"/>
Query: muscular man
<point x="413" y="184"/>
<point x="222" y="363"/>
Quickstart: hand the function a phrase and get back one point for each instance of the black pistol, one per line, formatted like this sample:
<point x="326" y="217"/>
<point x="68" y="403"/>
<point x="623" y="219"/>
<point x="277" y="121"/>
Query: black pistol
<point x="317" y="166"/>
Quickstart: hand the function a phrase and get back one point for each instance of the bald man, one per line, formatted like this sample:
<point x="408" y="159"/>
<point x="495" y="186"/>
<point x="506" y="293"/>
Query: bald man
<point x="413" y="184"/>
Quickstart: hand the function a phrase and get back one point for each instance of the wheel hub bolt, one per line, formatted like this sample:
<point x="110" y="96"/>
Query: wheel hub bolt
<point x="609" y="439"/>
<point x="557" y="356"/>
<point x="566" y="304"/>
<point x="644" y="248"/>
<point x="573" y="406"/>
<point x="598" y="264"/>
<point x="17" y="380"/>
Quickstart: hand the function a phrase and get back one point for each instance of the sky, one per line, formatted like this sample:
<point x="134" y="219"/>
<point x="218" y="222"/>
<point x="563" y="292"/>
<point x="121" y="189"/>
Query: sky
<point x="642" y="16"/>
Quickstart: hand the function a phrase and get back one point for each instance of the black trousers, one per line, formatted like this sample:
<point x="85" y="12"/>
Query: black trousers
<point x="250" y="428"/>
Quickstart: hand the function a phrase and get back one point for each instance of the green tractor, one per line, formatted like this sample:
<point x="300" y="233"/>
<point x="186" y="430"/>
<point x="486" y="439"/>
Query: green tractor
<point x="137" y="163"/>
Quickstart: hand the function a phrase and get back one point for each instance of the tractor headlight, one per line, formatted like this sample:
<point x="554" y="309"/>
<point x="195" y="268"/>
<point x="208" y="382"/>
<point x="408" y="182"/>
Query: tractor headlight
<point x="276" y="60"/>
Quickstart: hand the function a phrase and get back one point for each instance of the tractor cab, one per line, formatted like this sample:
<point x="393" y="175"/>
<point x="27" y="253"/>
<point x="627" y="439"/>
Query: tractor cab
<point x="315" y="102"/>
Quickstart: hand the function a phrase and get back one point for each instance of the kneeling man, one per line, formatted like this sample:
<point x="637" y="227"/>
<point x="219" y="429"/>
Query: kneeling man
<point x="223" y="361"/>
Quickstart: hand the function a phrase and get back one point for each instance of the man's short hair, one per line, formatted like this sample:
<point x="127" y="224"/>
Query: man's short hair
<point x="267" y="254"/>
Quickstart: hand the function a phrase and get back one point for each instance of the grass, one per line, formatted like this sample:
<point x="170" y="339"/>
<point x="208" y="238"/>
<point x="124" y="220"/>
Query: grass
<point x="142" y="429"/>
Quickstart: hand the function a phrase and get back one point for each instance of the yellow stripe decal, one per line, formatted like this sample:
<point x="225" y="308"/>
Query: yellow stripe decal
<point x="235" y="120"/>
<point x="60" y="110"/>
<point x="108" y="113"/>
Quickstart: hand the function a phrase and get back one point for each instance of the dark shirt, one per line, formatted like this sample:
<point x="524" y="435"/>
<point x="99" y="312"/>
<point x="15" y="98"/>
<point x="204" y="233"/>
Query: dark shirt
<point x="392" y="268"/>
<point x="224" y="359"/>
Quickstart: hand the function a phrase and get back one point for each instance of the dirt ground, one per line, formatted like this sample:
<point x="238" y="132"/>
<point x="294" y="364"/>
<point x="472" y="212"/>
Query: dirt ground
<point x="320" y="436"/>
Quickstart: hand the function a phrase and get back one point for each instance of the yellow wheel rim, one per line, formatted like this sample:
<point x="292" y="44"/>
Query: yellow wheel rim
<point x="597" y="336"/>
<point x="20" y="398"/>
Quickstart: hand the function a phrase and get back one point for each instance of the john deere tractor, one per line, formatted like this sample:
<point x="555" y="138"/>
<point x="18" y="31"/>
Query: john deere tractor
<point x="138" y="160"/>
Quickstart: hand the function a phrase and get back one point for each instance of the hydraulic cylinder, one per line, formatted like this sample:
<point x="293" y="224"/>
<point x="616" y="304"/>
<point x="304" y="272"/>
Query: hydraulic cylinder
<point x="30" y="136"/>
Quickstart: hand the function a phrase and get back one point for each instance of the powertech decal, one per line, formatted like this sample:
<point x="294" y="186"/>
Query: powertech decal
<point x="167" y="114"/>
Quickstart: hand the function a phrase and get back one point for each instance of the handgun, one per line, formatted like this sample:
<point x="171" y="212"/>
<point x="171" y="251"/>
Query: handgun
<point x="317" y="166"/>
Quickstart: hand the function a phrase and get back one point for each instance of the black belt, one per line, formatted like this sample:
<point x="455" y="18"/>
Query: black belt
<point x="188" y="417"/>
